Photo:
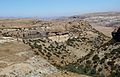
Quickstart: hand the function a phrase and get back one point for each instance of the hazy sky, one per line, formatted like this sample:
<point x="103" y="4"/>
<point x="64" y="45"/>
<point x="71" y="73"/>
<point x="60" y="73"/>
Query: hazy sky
<point x="55" y="7"/>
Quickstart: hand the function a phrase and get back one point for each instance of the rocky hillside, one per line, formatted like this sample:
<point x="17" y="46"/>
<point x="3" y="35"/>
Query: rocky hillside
<point x="82" y="43"/>
<point x="18" y="60"/>
<point x="104" y="62"/>
<point x="58" y="48"/>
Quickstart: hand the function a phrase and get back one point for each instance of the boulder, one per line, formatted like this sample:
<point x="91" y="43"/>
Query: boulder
<point x="116" y="35"/>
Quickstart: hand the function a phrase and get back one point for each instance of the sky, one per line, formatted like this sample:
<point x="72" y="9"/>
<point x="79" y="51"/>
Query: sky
<point x="51" y="8"/>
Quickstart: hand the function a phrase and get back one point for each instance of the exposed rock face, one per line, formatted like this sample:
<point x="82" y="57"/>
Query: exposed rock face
<point x="116" y="35"/>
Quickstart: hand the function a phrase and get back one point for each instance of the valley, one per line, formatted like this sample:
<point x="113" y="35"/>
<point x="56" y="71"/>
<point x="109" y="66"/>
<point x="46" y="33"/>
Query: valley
<point x="75" y="46"/>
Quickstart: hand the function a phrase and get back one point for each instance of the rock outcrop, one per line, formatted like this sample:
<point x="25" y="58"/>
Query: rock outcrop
<point x="116" y="35"/>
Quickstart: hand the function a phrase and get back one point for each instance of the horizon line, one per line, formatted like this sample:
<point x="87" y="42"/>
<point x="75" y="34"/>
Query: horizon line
<point x="57" y="16"/>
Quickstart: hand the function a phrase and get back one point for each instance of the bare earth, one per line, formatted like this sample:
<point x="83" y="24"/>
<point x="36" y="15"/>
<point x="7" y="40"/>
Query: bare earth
<point x="105" y="30"/>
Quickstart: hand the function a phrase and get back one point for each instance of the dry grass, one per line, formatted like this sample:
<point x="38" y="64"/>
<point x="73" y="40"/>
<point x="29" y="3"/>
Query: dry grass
<point x="105" y="30"/>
